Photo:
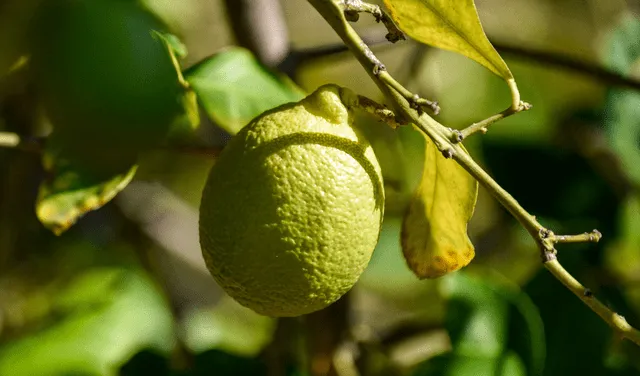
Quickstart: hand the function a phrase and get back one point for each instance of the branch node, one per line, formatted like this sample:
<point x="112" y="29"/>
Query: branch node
<point x="448" y="153"/>
<point x="545" y="233"/>
<point x="548" y="255"/>
<point x="456" y="136"/>
<point x="352" y="8"/>
<point x="587" y="293"/>
<point x="378" y="68"/>
<point x="351" y="15"/>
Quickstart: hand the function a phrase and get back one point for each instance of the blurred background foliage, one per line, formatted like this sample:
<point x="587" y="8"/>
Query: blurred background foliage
<point x="125" y="291"/>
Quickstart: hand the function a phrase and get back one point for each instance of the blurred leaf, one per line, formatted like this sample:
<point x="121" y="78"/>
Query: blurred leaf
<point x="75" y="186"/>
<point x="102" y="318"/>
<point x="512" y="366"/>
<point x="218" y="363"/>
<point x="234" y="88"/>
<point x="622" y="112"/>
<point x="623" y="255"/>
<point x="15" y="16"/>
<point x="228" y="327"/>
<point x="459" y="365"/>
<point x="483" y="318"/>
<point x="434" y="231"/>
<point x="477" y="317"/>
<point x="564" y="317"/>
<point x="450" y="25"/>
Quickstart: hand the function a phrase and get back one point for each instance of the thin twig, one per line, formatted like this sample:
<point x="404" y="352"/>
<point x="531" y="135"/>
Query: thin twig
<point x="417" y="103"/>
<point x="481" y="126"/>
<point x="378" y="110"/>
<point x="333" y="12"/>
<point x="588" y="237"/>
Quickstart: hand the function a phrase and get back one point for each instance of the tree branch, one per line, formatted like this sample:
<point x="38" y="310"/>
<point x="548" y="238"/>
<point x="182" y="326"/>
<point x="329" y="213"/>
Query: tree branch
<point x="333" y="12"/>
<point x="547" y="58"/>
<point x="13" y="140"/>
<point x="259" y="25"/>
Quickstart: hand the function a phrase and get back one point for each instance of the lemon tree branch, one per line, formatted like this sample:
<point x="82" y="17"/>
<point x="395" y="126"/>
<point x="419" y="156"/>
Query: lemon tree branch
<point x="13" y="140"/>
<point x="333" y="12"/>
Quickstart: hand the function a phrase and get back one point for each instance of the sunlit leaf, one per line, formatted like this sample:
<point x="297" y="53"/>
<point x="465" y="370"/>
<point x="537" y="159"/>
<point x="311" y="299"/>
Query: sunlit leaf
<point x="102" y="318"/>
<point x="75" y="186"/>
<point x="434" y="231"/>
<point x="234" y="88"/>
<point x="451" y="25"/>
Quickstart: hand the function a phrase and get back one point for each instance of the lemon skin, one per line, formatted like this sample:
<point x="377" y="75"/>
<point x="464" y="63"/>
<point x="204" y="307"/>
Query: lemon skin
<point x="292" y="209"/>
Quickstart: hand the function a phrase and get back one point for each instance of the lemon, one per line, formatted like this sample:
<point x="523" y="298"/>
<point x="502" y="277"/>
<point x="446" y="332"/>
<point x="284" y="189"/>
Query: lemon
<point x="103" y="76"/>
<point x="292" y="209"/>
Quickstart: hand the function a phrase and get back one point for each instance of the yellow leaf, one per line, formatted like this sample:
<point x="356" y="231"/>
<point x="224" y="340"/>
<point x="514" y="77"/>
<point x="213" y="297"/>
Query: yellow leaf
<point x="434" y="230"/>
<point x="451" y="25"/>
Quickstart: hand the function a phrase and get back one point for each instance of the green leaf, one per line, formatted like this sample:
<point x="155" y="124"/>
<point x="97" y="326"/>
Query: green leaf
<point x="188" y="120"/>
<point x="229" y="327"/>
<point x="434" y="230"/>
<point x="477" y="317"/>
<point x="234" y="88"/>
<point x="78" y="181"/>
<point x="483" y="317"/>
<point x="456" y="365"/>
<point x="103" y="317"/>
<point x="492" y="318"/>
<point x="451" y="25"/>
<point x="622" y="111"/>
<point x="622" y="257"/>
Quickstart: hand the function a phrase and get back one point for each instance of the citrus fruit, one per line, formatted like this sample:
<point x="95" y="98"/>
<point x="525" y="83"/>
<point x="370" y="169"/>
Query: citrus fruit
<point x="291" y="210"/>
<point x="104" y="77"/>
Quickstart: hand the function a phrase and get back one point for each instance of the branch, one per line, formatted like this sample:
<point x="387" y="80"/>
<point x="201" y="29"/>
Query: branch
<point x="352" y="8"/>
<point x="36" y="145"/>
<point x="615" y="321"/>
<point x="547" y="58"/>
<point x="333" y="12"/>
<point x="260" y="26"/>
<point x="13" y="140"/>
<point x="481" y="126"/>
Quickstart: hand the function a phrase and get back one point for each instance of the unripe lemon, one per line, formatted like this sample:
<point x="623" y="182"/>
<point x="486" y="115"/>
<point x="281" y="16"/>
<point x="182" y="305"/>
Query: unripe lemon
<point x="104" y="77"/>
<point x="292" y="209"/>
